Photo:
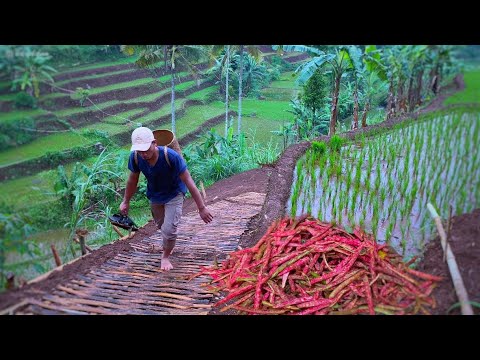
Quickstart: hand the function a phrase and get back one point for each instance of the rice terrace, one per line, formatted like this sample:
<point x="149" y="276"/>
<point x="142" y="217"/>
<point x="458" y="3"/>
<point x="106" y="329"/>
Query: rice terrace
<point x="341" y="179"/>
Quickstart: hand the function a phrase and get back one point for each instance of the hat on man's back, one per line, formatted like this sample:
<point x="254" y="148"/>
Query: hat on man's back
<point x="142" y="138"/>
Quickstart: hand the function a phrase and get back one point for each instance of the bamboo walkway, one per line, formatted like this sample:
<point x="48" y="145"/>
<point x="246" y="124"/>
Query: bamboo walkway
<point x="132" y="283"/>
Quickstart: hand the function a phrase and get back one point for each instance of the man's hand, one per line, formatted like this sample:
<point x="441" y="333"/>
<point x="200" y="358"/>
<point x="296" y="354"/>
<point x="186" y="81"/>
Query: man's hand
<point x="124" y="206"/>
<point x="205" y="215"/>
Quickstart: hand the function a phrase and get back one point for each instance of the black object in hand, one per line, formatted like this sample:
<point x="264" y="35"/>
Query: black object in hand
<point x="123" y="221"/>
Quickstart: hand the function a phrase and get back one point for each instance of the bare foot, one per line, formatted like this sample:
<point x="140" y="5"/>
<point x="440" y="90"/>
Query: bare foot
<point x="166" y="264"/>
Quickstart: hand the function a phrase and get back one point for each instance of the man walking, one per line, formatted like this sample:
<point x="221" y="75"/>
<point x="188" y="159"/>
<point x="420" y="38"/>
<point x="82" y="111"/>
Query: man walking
<point x="167" y="181"/>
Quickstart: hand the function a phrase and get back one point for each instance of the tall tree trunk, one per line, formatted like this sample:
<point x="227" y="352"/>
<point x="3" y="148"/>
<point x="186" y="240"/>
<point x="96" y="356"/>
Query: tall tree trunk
<point x="390" y="103"/>
<point x="240" y="78"/>
<point x="411" y="101"/>
<point x="418" y="95"/>
<point x="227" y="63"/>
<point x="165" y="66"/>
<point x="439" y="78"/>
<point x="399" y="99"/>
<point x="365" y="112"/>
<point x="435" y="79"/>
<point x="355" y="108"/>
<point x="333" y="118"/>
<point x="172" y="72"/>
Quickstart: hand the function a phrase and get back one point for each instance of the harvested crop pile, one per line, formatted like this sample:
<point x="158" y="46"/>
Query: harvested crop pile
<point x="303" y="266"/>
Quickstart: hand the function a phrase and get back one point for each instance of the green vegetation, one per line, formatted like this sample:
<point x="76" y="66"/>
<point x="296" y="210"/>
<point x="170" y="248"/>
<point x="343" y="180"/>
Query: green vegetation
<point x="203" y="94"/>
<point x="295" y="110"/>
<point x="95" y="76"/>
<point x="471" y="93"/>
<point x="40" y="146"/>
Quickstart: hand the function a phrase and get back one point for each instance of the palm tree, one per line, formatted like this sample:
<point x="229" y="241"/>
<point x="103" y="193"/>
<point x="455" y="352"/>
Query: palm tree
<point x="338" y="62"/>
<point x="253" y="51"/>
<point x="393" y="59"/>
<point x="221" y="56"/>
<point x="224" y="65"/>
<point x="176" y="55"/>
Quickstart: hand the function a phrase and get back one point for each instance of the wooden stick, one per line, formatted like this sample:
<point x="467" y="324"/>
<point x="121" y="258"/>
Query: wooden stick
<point x="449" y="229"/>
<point x="117" y="231"/>
<point x="452" y="265"/>
<point x="89" y="249"/>
<point x="81" y="240"/>
<point x="58" y="262"/>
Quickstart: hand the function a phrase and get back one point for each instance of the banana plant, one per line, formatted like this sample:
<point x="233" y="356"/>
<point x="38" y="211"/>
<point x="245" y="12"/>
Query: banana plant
<point x="338" y="62"/>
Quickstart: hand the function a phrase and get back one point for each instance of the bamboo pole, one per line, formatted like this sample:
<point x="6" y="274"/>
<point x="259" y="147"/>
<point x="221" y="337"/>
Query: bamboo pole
<point x="452" y="265"/>
<point x="117" y="231"/>
<point x="89" y="249"/>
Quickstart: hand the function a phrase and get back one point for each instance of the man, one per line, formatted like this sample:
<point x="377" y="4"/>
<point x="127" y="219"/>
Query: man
<point x="167" y="183"/>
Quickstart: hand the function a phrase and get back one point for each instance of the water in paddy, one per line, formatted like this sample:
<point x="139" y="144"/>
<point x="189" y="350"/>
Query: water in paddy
<point x="384" y="184"/>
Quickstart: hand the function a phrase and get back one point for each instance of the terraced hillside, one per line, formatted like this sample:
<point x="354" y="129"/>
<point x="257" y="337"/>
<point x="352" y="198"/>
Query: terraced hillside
<point x="121" y="97"/>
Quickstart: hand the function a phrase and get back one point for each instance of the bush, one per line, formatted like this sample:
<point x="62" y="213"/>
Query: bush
<point x="80" y="94"/>
<point x="336" y="143"/>
<point x="319" y="147"/>
<point x="282" y="64"/>
<point x="11" y="133"/>
<point x="74" y="54"/>
<point x="48" y="216"/>
<point x="24" y="100"/>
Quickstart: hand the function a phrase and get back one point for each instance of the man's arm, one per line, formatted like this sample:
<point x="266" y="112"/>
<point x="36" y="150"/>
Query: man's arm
<point x="202" y="209"/>
<point x="132" y="183"/>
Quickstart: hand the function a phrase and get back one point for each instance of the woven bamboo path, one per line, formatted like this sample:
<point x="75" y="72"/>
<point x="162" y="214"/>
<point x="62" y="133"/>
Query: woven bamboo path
<point x="132" y="283"/>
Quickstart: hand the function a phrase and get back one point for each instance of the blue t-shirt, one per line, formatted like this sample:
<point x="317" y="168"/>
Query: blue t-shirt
<point x="163" y="181"/>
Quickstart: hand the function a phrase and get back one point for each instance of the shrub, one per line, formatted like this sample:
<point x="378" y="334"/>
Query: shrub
<point x="81" y="95"/>
<point x="24" y="100"/>
<point x="12" y="133"/>
<point x="319" y="147"/>
<point x="336" y="143"/>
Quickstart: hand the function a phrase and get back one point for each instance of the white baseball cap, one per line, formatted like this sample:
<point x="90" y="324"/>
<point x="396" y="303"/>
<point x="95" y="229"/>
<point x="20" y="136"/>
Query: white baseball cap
<point x="142" y="138"/>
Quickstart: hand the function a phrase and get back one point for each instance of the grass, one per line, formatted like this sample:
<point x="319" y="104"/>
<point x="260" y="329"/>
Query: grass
<point x="471" y="93"/>
<point x="27" y="190"/>
<point x="80" y="109"/>
<point x="286" y="81"/>
<point x="122" y="85"/>
<point x="91" y="77"/>
<point x="98" y="65"/>
<point x="33" y="189"/>
<point x="264" y="109"/>
<point x="5" y="84"/>
<point x="164" y="110"/>
<point x="255" y="128"/>
<point x="116" y="86"/>
<point x="153" y="96"/>
<point x="203" y="94"/>
<point x="194" y="117"/>
<point x="40" y="146"/>
<point x="261" y="117"/>
<point x="19" y="114"/>
<point x="8" y="97"/>
<point x="122" y="123"/>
